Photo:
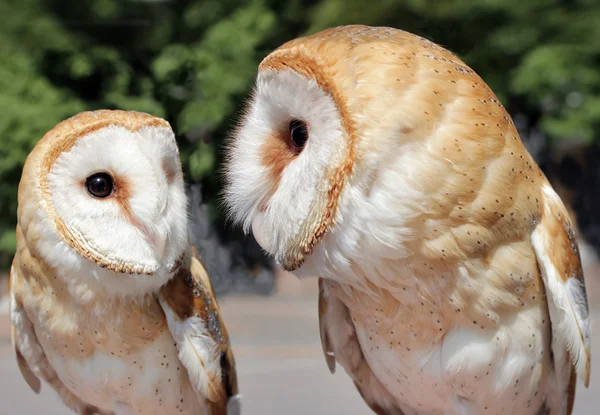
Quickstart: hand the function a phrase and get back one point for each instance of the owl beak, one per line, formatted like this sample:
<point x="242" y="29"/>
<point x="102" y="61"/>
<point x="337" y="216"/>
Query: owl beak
<point x="258" y="230"/>
<point x="160" y="245"/>
<point x="157" y="241"/>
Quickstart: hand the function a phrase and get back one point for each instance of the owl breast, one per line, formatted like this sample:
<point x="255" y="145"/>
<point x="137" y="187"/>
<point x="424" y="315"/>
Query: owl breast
<point x="147" y="380"/>
<point x="431" y="363"/>
<point x="150" y="380"/>
<point x="116" y="354"/>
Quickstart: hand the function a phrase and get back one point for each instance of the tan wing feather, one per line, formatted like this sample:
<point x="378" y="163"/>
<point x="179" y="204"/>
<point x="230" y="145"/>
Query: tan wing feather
<point x="195" y="321"/>
<point x="32" y="380"/>
<point x="558" y="256"/>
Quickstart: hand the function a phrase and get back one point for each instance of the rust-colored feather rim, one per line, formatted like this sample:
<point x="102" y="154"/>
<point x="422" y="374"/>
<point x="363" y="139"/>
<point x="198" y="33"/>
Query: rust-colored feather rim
<point x="62" y="138"/>
<point x="306" y="64"/>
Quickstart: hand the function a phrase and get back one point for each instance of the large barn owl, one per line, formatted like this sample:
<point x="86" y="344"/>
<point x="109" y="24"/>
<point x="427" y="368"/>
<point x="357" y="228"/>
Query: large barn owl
<point x="110" y="304"/>
<point x="450" y="278"/>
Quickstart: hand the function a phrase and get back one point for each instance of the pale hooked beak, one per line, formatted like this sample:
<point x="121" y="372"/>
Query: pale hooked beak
<point x="157" y="241"/>
<point x="160" y="245"/>
<point x="258" y="230"/>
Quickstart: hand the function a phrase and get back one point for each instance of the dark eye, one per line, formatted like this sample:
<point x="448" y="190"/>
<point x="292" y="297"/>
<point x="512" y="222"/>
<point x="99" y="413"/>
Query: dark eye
<point x="299" y="133"/>
<point x="99" y="185"/>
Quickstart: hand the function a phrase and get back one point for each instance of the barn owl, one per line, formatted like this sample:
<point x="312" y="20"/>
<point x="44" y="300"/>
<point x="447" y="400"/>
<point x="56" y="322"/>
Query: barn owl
<point x="110" y="304"/>
<point x="449" y="274"/>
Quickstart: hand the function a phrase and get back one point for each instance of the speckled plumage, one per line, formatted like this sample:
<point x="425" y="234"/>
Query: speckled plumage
<point x="104" y="326"/>
<point x="451" y="281"/>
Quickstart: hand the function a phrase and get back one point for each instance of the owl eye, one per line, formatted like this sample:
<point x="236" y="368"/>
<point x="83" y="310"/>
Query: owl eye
<point x="100" y="185"/>
<point x="299" y="133"/>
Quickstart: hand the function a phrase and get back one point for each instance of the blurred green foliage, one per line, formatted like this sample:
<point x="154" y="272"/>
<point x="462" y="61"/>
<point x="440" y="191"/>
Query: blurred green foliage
<point x="193" y="62"/>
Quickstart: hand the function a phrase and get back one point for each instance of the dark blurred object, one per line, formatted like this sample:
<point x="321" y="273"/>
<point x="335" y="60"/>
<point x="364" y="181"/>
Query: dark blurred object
<point x="574" y="170"/>
<point x="237" y="266"/>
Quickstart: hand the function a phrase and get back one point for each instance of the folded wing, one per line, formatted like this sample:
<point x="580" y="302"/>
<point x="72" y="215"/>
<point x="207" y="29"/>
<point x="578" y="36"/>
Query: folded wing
<point x="558" y="257"/>
<point x="194" y="318"/>
<point x="339" y="341"/>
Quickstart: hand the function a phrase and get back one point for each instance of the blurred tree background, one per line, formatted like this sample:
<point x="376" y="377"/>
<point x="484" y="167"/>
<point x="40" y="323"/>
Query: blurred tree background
<point x="193" y="62"/>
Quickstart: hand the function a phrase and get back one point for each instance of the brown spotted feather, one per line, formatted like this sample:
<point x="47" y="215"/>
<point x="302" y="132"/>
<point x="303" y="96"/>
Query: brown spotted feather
<point x="190" y="294"/>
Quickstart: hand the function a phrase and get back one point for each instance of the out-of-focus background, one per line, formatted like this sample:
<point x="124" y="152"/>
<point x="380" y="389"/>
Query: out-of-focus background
<point x="192" y="62"/>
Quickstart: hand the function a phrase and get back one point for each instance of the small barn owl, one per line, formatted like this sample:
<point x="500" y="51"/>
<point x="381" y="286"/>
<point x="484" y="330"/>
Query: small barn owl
<point x="110" y="304"/>
<point x="450" y="277"/>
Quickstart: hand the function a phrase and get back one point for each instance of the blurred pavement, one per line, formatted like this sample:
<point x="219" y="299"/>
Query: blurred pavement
<point x="280" y="365"/>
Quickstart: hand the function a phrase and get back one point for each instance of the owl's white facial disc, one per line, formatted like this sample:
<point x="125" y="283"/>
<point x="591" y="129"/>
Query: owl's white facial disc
<point x="141" y="227"/>
<point x="275" y="188"/>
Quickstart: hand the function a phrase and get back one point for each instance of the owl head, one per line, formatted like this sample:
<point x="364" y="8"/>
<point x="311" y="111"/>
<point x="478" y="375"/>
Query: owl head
<point x="343" y="134"/>
<point x="102" y="197"/>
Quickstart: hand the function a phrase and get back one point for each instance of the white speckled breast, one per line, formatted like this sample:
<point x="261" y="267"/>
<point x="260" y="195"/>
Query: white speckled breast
<point x="462" y="370"/>
<point x="150" y="381"/>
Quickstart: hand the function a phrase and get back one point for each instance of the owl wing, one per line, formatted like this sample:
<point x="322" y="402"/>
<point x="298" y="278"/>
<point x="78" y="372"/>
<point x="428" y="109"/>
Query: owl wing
<point x="558" y="257"/>
<point x="194" y="319"/>
<point x="339" y="341"/>
<point x="29" y="353"/>
<point x="23" y="337"/>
